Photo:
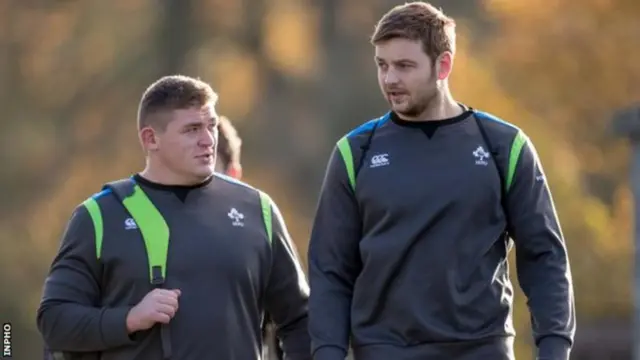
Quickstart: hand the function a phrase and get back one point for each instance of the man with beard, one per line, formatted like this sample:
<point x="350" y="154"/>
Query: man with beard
<point x="417" y="213"/>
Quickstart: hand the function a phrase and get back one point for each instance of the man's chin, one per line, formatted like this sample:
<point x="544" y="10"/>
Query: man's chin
<point x="203" y="172"/>
<point x="404" y="111"/>
<point x="400" y="108"/>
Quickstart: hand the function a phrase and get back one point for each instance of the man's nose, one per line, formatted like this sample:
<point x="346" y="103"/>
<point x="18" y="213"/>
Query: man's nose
<point x="207" y="140"/>
<point x="390" y="77"/>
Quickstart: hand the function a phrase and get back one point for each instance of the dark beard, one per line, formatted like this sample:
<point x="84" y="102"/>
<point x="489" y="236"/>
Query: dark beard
<point x="420" y="106"/>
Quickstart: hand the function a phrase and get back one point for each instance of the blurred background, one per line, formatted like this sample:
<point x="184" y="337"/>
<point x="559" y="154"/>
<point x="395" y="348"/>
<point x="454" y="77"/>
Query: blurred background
<point x="294" y="76"/>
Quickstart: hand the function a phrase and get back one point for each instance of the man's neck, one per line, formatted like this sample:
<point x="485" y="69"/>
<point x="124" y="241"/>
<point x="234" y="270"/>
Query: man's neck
<point x="165" y="177"/>
<point x="442" y="107"/>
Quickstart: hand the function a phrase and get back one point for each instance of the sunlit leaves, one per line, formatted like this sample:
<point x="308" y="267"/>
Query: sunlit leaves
<point x="291" y="39"/>
<point x="573" y="63"/>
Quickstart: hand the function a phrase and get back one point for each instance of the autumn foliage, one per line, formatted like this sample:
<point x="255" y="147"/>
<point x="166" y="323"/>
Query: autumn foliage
<point x="294" y="76"/>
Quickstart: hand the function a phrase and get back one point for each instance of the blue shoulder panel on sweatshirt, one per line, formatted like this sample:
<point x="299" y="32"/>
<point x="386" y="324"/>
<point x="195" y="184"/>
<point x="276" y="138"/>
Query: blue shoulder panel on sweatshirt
<point x="369" y="125"/>
<point x="233" y="181"/>
<point x="101" y="194"/>
<point x="490" y="117"/>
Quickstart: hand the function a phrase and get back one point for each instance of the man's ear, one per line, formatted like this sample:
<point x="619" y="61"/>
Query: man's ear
<point x="148" y="138"/>
<point x="444" y="65"/>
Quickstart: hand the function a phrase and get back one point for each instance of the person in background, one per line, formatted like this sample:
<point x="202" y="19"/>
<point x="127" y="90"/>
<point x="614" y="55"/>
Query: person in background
<point x="229" y="163"/>
<point x="228" y="150"/>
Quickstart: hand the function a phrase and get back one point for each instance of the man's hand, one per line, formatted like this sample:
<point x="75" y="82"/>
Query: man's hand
<point x="158" y="306"/>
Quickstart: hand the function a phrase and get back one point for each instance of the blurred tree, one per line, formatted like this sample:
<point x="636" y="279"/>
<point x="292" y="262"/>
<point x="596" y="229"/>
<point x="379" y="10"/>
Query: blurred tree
<point x="578" y="69"/>
<point x="69" y="78"/>
<point x="177" y="36"/>
<point x="295" y="76"/>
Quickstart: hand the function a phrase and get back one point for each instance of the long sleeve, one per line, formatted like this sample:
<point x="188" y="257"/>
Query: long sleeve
<point x="68" y="317"/>
<point x="541" y="256"/>
<point x="287" y="293"/>
<point x="334" y="263"/>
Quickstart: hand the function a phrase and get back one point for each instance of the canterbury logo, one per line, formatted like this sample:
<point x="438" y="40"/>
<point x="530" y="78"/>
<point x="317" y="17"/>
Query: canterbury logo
<point x="379" y="160"/>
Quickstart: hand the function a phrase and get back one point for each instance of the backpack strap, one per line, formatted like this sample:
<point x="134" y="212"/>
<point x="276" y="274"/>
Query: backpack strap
<point x="155" y="233"/>
<point x="514" y="155"/>
<point x="506" y="177"/>
<point x="267" y="216"/>
<point x="347" y="154"/>
<point x="96" y="217"/>
<point x="494" y="153"/>
<point x="151" y="224"/>
<point x="347" y="157"/>
<point x="515" y="150"/>
<point x="498" y="165"/>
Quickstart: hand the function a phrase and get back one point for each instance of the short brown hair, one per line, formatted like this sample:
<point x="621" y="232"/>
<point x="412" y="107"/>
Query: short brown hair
<point x="418" y="21"/>
<point x="229" y="143"/>
<point x="174" y="92"/>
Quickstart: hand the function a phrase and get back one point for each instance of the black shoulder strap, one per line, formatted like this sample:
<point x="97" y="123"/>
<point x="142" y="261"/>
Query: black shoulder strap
<point x="493" y="152"/>
<point x="365" y="148"/>
<point x="499" y="166"/>
<point x="122" y="188"/>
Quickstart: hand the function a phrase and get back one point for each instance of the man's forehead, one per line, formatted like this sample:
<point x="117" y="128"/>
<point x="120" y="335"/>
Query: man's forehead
<point x="205" y="113"/>
<point x="209" y="111"/>
<point x="398" y="49"/>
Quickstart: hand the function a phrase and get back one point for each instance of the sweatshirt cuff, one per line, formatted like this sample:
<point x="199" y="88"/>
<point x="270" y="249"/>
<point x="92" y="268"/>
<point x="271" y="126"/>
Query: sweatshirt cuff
<point x="554" y="348"/>
<point x="329" y="353"/>
<point x="113" y="326"/>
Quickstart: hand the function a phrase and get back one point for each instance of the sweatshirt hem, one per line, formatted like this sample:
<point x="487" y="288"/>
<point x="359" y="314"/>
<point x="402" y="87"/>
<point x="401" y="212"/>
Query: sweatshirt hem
<point x="496" y="348"/>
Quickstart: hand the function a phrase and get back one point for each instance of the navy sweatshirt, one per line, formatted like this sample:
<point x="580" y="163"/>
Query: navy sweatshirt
<point x="409" y="261"/>
<point x="219" y="257"/>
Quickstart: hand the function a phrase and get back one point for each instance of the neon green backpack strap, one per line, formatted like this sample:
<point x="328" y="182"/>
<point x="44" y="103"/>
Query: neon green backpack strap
<point x="265" y="203"/>
<point x="151" y="224"/>
<point x="96" y="217"/>
<point x="347" y="157"/>
<point x="514" y="155"/>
